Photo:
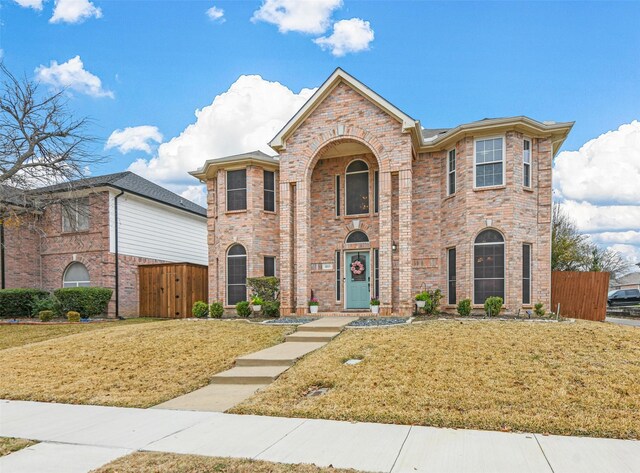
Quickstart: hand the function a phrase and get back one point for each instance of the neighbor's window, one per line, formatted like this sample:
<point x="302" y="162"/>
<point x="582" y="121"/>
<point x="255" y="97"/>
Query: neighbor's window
<point x="237" y="190"/>
<point x="270" y="191"/>
<point x="357" y="188"/>
<point x="526" y="163"/>
<point x="76" y="275"/>
<point x="489" y="162"/>
<point x="451" y="275"/>
<point x="451" y="172"/>
<point x="488" y="266"/>
<point x="269" y="265"/>
<point x="236" y="274"/>
<point x="526" y="273"/>
<point x="75" y="215"/>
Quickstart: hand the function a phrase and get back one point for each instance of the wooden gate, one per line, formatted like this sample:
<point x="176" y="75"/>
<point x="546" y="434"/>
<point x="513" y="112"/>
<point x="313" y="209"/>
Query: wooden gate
<point x="581" y="295"/>
<point x="169" y="290"/>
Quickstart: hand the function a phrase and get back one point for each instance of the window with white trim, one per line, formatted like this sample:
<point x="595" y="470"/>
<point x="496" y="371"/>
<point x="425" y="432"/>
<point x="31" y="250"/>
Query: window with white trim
<point x="489" y="162"/>
<point x="357" y="188"/>
<point x="451" y="172"/>
<point x="76" y="275"/>
<point x="75" y="215"/>
<point x="526" y="163"/>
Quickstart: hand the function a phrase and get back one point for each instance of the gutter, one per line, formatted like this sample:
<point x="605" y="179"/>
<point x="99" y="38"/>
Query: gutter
<point x="117" y="275"/>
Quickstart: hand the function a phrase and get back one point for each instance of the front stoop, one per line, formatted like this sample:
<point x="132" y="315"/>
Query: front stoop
<point x="256" y="370"/>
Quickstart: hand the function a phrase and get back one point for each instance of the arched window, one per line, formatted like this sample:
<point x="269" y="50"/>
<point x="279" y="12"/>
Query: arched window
<point x="76" y="275"/>
<point x="236" y="274"/>
<point x="357" y="237"/>
<point x="488" y="266"/>
<point x="357" y="188"/>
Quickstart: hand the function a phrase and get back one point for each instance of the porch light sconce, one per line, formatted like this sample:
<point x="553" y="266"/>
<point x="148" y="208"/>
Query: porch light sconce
<point x="394" y="247"/>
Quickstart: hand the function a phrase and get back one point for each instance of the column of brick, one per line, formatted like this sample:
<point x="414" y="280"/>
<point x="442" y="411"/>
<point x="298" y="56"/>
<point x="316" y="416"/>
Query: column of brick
<point x="404" y="244"/>
<point x="286" y="250"/>
<point x="301" y="242"/>
<point x="385" y="239"/>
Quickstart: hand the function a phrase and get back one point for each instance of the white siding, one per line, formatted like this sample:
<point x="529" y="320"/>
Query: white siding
<point x="148" y="229"/>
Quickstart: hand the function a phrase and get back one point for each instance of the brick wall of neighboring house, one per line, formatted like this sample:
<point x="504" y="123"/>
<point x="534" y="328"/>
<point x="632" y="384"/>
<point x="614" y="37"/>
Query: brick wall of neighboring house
<point x="22" y="249"/>
<point x="254" y="228"/>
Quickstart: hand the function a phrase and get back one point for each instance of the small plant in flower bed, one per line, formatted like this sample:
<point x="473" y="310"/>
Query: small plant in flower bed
<point x="73" y="316"/>
<point x="243" y="309"/>
<point x="464" y="307"/>
<point x="493" y="306"/>
<point x="256" y="300"/>
<point x="374" y="301"/>
<point x="216" y="310"/>
<point x="539" y="309"/>
<point x="429" y="301"/>
<point x="200" y="309"/>
<point x="314" y="301"/>
<point x="45" y="315"/>
<point x="49" y="303"/>
<point x="271" y="308"/>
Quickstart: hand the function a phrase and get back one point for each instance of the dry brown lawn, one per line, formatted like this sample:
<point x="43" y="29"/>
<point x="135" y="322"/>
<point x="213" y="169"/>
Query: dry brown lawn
<point x="578" y="378"/>
<point x="175" y="463"/>
<point x="9" y="445"/>
<point x="14" y="335"/>
<point x="135" y="365"/>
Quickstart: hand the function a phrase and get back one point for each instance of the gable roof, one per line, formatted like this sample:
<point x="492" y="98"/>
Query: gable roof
<point x="631" y="278"/>
<point x="336" y="78"/>
<point x="131" y="183"/>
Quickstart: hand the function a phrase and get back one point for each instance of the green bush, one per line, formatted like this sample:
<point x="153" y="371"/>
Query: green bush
<point x="45" y="315"/>
<point x="493" y="306"/>
<point x="464" y="307"/>
<point x="432" y="301"/>
<point x="271" y="308"/>
<point x="243" y="309"/>
<point x="539" y="309"/>
<point x="73" y="316"/>
<point x="200" y="309"/>
<point x="257" y="300"/>
<point x="216" y="310"/>
<point x="89" y="301"/>
<point x="267" y="288"/>
<point x="47" y="303"/>
<point x="422" y="296"/>
<point x="19" y="302"/>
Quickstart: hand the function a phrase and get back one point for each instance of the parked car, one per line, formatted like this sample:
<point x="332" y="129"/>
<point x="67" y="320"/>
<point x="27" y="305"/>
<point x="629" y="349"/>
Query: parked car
<point x="624" y="297"/>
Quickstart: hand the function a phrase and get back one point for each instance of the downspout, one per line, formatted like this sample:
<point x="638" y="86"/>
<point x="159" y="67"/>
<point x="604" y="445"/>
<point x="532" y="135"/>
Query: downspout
<point x="117" y="275"/>
<point x="2" y="254"/>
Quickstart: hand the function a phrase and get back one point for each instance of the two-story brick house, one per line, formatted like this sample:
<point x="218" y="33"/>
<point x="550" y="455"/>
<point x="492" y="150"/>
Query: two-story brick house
<point x="363" y="202"/>
<point x="97" y="232"/>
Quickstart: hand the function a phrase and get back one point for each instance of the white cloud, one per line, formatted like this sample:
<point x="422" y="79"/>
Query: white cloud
<point x="629" y="252"/>
<point x="606" y="170"/>
<point x="310" y="16"/>
<point x="136" y="138"/>
<point x="35" y="4"/>
<point x="216" y="14"/>
<point x="349" y="36"/>
<point x="74" y="11"/>
<point x="73" y="75"/>
<point x="600" y="218"/>
<point x="244" y="118"/>
<point x="197" y="194"/>
<point x="630" y="237"/>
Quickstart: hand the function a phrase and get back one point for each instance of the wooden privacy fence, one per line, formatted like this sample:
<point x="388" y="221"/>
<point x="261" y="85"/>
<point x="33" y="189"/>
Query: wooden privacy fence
<point x="169" y="290"/>
<point x="581" y="295"/>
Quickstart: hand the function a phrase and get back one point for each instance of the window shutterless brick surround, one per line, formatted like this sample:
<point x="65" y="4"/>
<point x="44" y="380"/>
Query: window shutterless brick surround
<point x="416" y="216"/>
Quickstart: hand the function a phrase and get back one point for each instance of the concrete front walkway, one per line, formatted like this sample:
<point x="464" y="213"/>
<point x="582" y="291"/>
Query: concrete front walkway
<point x="81" y="438"/>
<point x="256" y="370"/>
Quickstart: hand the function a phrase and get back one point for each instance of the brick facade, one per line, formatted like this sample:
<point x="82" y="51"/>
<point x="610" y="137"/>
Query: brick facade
<point x="416" y="221"/>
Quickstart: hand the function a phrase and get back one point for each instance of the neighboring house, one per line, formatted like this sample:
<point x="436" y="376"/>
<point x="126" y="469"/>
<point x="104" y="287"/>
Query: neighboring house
<point x="363" y="202"/>
<point x="628" y="281"/>
<point x="74" y="241"/>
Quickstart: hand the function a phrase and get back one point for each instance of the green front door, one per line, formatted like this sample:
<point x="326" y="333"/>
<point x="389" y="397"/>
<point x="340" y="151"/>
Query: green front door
<point x="357" y="280"/>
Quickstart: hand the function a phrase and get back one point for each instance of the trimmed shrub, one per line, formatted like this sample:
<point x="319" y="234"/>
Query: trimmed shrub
<point x="89" y="301"/>
<point x="266" y="288"/>
<point x="243" y="309"/>
<point x="19" y="302"/>
<point x="464" y="307"/>
<point x="200" y="309"/>
<point x="73" y="316"/>
<point x="493" y="306"/>
<point x="48" y="303"/>
<point x="271" y="308"/>
<point x="45" y="315"/>
<point x="539" y="309"/>
<point x="216" y="310"/>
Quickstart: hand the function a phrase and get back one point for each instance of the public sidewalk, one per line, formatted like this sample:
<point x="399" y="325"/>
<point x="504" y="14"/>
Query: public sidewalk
<point x="80" y="438"/>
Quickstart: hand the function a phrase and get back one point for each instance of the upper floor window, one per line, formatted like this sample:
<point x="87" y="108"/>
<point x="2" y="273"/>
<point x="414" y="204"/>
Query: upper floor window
<point x="451" y="172"/>
<point x="76" y="275"/>
<point x="526" y="163"/>
<point x="357" y="188"/>
<point x="75" y="215"/>
<point x="270" y="191"/>
<point x="489" y="162"/>
<point x="237" y="190"/>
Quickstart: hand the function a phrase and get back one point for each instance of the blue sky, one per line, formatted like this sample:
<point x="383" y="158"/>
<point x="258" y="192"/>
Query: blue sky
<point x="444" y="63"/>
